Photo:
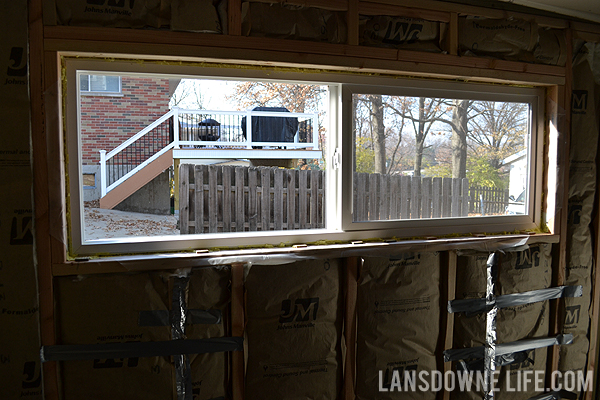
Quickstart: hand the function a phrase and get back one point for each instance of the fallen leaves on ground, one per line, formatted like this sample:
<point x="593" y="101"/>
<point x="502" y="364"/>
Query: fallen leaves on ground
<point x="136" y="225"/>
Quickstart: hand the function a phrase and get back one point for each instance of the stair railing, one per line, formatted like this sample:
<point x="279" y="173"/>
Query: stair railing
<point x="196" y="128"/>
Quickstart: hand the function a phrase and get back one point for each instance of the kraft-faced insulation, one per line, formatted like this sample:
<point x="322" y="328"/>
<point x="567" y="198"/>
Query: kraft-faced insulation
<point x="511" y="39"/>
<point x="119" y="332"/>
<point x="293" y="22"/>
<point x="398" y="314"/>
<point x="523" y="271"/>
<point x="293" y="330"/>
<point x="208" y="290"/>
<point x="502" y="336"/>
<point x="104" y="309"/>
<point x="20" y="367"/>
<point x="582" y="191"/>
<point x="401" y="33"/>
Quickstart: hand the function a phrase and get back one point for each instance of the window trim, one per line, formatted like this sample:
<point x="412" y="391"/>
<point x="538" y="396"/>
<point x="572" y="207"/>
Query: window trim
<point x="337" y="229"/>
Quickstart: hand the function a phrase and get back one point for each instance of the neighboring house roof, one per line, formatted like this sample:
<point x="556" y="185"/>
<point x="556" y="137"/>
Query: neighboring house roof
<point x="515" y="157"/>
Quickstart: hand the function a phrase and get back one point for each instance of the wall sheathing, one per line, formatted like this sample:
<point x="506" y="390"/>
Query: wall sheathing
<point x="289" y="307"/>
<point x="20" y="375"/>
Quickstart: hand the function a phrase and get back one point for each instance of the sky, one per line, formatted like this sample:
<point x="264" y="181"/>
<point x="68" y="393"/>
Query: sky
<point x="214" y="93"/>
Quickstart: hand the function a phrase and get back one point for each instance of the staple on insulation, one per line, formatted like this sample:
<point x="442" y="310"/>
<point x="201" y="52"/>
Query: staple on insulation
<point x="525" y="270"/>
<point x="184" y="314"/>
<point x="209" y="289"/>
<point x="191" y="16"/>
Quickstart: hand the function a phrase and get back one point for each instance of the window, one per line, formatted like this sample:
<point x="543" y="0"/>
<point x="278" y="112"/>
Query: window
<point x="235" y="156"/>
<point x="99" y="84"/>
<point x="89" y="180"/>
<point x="441" y="154"/>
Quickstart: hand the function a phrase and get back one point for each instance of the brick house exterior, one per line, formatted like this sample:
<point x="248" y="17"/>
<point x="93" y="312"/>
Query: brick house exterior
<point x="109" y="120"/>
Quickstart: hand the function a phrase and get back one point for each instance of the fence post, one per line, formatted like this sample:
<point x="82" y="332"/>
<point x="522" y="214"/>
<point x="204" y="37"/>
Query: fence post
<point x="102" y="173"/>
<point x="176" y="127"/>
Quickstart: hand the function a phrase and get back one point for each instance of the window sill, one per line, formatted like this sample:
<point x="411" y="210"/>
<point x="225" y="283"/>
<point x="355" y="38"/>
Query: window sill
<point x="289" y="254"/>
<point x="103" y="94"/>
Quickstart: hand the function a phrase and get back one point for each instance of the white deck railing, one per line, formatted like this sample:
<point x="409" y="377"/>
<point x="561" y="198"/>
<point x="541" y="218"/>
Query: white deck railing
<point x="192" y="130"/>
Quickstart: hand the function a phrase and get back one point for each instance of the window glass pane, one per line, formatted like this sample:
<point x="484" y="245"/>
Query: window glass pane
<point x="421" y="157"/>
<point x="245" y="156"/>
<point x="84" y="84"/>
<point x="112" y="84"/>
<point x="97" y="83"/>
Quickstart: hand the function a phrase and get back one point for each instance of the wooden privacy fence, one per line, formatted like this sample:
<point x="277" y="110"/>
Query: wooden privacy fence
<point x="237" y="199"/>
<point x="242" y="199"/>
<point x="488" y="201"/>
<point x="379" y="197"/>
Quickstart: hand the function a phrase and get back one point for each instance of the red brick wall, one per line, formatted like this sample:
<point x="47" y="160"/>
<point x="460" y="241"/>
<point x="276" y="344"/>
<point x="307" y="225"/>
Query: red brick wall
<point x="107" y="121"/>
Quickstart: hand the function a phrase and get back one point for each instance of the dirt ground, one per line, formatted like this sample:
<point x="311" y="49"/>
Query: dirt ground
<point x="104" y="224"/>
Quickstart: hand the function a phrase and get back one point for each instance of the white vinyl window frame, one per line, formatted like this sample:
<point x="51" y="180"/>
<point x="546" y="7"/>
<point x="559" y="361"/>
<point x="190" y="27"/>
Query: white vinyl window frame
<point x="339" y="225"/>
<point x="106" y="92"/>
<point x="449" y="90"/>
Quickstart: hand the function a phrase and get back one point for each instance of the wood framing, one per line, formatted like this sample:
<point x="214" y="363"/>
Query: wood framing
<point x="48" y="42"/>
<point x="237" y="329"/>
<point x="42" y="198"/>
<point x="448" y="265"/>
<point x="352" y="17"/>
<point x="351" y="290"/>
<point x="374" y="8"/>
<point x="559" y="273"/>
<point x="234" y="17"/>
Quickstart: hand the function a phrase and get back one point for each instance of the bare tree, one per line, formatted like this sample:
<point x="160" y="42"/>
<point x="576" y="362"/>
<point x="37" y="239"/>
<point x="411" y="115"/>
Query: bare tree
<point x="188" y="94"/>
<point x="460" y="129"/>
<point x="497" y="130"/>
<point x="378" y="130"/>
<point x="295" y="97"/>
<point x="428" y="111"/>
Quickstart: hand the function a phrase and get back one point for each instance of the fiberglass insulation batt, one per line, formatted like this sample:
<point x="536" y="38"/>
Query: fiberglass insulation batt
<point x="398" y="313"/>
<point x="294" y="331"/>
<point x="517" y="272"/>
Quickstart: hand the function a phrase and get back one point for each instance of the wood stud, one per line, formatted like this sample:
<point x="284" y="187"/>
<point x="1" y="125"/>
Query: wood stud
<point x="46" y="41"/>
